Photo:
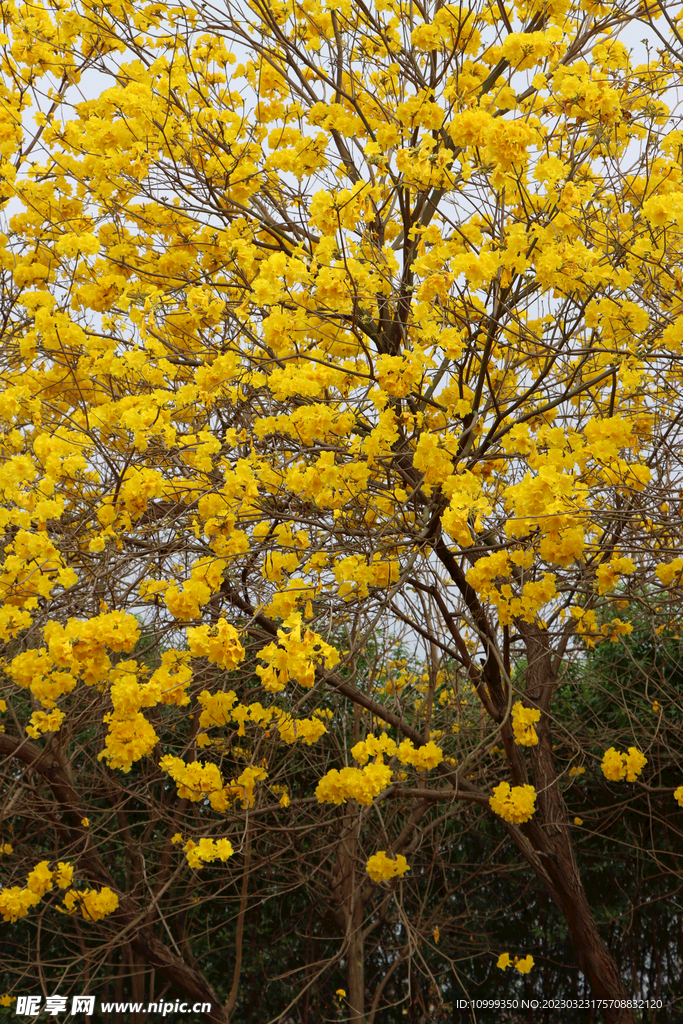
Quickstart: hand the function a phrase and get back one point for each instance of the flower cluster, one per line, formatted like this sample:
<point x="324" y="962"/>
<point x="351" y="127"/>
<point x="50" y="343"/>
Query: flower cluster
<point x="219" y="643"/>
<point x="491" y="574"/>
<point x="617" y="766"/>
<point x="206" y="851"/>
<point x="216" y="708"/>
<point x="374" y="746"/>
<point x="361" y="784"/>
<point x="515" y="804"/>
<point x="294" y="657"/>
<point x="523" y="722"/>
<point x="219" y="709"/>
<point x="198" y="781"/>
<point x="75" y="651"/>
<point x="243" y="786"/>
<point x="667" y="572"/>
<point x="44" y="721"/>
<point x="356" y="575"/>
<point x="127" y="741"/>
<point x="205" y="579"/>
<point x="94" y="905"/>
<point x="365" y="783"/>
<point x="423" y="758"/>
<point x="380" y="867"/>
<point x="522" y="965"/>
<point x="131" y="736"/>
<point x="308" y="730"/>
<point x="16" y="901"/>
<point x="31" y="569"/>
<point x="171" y="678"/>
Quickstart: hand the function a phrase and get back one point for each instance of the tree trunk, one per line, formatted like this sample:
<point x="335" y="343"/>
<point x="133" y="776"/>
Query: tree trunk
<point x="550" y="835"/>
<point x="355" y="972"/>
<point x="348" y="907"/>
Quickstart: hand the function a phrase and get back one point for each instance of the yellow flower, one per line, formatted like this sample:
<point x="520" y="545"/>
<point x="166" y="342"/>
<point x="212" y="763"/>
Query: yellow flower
<point x="128" y="740"/>
<point x="206" y="851"/>
<point x="612" y="765"/>
<point x="63" y="874"/>
<point x="525" y="965"/>
<point x="578" y="821"/>
<point x="40" y="879"/>
<point x="15" y="902"/>
<point x="423" y="758"/>
<point x="340" y="994"/>
<point x="515" y="804"/>
<point x="634" y="763"/>
<point x="361" y="784"/>
<point x="85" y="822"/>
<point x="380" y="867"/>
<point x="617" y="766"/>
<point x="678" y="795"/>
<point x="523" y="721"/>
<point x="219" y="643"/>
<point x="436" y="933"/>
<point x="94" y="905"/>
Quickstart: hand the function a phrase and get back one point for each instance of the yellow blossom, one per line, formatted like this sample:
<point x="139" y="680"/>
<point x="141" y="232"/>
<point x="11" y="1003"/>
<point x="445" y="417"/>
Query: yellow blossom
<point x="63" y="874"/>
<point x="94" y="905"/>
<point x="361" y="784"/>
<point x="219" y="643"/>
<point x="40" y="879"/>
<point x="522" y="965"/>
<point x="206" y="851"/>
<point x="617" y="766"/>
<point x="380" y="867"/>
<point x="515" y="804"/>
<point x="523" y="721"/>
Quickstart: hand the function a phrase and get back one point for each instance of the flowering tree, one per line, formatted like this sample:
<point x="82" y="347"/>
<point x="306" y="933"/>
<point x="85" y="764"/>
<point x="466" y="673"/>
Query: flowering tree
<point x="336" y="337"/>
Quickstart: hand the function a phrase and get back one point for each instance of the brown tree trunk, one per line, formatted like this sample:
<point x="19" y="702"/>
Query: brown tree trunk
<point x="550" y="834"/>
<point x="545" y="841"/>
<point x="355" y="971"/>
<point x="348" y="907"/>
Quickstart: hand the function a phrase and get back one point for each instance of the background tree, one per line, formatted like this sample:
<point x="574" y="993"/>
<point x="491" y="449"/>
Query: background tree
<point x="341" y="416"/>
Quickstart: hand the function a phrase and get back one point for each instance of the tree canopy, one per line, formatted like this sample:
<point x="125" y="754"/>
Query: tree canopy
<point x="341" y="410"/>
